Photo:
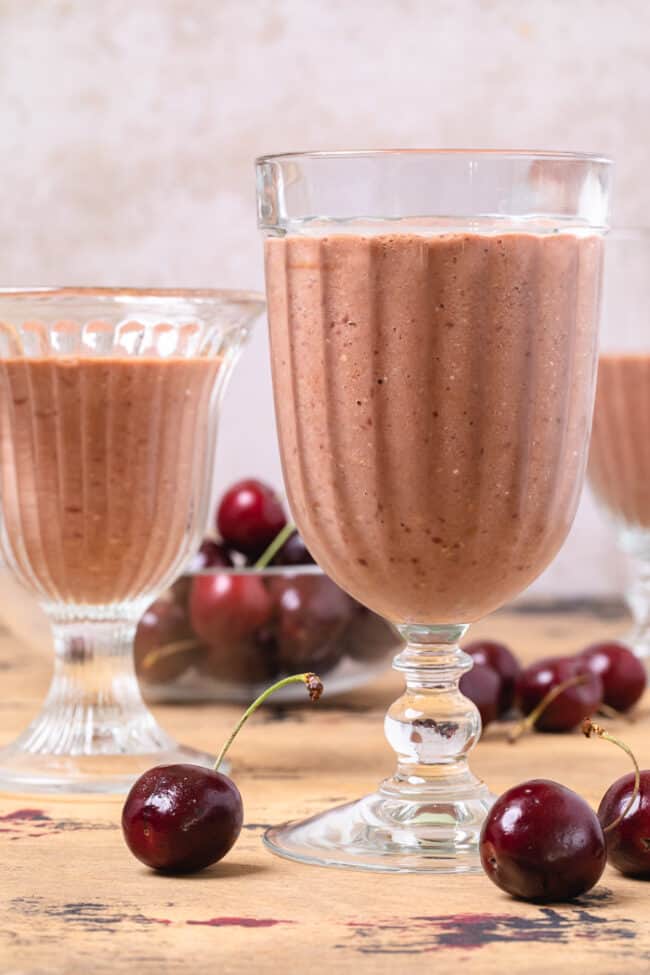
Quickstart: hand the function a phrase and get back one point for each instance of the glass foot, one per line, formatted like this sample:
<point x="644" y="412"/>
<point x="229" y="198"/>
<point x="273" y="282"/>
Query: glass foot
<point x="427" y="834"/>
<point x="110" y="767"/>
<point x="94" y="734"/>
<point x="638" y="640"/>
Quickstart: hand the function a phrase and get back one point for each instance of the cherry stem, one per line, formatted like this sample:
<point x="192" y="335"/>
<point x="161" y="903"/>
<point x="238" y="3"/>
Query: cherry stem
<point x="275" y="545"/>
<point x="590" y="728"/>
<point x="314" y="688"/>
<point x="608" y="711"/>
<point x="529" y="721"/>
<point x="168" y="650"/>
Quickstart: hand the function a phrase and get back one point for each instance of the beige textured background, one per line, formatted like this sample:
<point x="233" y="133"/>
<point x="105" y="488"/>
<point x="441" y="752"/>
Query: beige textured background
<point x="129" y="128"/>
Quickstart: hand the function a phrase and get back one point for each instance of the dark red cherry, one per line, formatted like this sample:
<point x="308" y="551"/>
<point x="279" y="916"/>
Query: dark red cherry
<point x="211" y="555"/>
<point x="182" y="818"/>
<point x="500" y="658"/>
<point x="542" y="842"/>
<point x="569" y="707"/>
<point x="628" y="843"/>
<point x="482" y="685"/>
<point x="293" y="552"/>
<point x="250" y="516"/>
<point x="164" y="627"/>
<point x="622" y="673"/>
<point x="312" y="613"/>
<point x="244" y="661"/>
<point x="228" y="606"/>
<point x="368" y="636"/>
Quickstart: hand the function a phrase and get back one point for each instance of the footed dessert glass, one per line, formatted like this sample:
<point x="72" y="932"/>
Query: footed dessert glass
<point x="619" y="459"/>
<point x="109" y="401"/>
<point x="433" y="322"/>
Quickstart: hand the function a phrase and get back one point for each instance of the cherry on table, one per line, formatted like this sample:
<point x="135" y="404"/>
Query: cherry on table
<point x="542" y="842"/>
<point x="628" y="843"/>
<point x="503" y="661"/>
<point x="624" y="812"/>
<point x="250" y="516"/>
<point x="577" y="700"/>
<point x="482" y="685"/>
<point x="622" y="673"/>
<point x="182" y="818"/>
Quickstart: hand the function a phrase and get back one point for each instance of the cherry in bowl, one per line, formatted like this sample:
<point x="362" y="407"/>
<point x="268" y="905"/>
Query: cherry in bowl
<point x="245" y="627"/>
<point x="250" y="516"/>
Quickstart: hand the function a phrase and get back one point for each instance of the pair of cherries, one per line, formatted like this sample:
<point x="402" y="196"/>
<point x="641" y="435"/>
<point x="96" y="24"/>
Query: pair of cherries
<point x="543" y="842"/>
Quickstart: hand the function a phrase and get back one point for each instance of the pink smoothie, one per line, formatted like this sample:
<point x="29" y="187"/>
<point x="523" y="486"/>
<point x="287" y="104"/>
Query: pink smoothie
<point x="619" y="460"/>
<point x="102" y="467"/>
<point x="433" y="396"/>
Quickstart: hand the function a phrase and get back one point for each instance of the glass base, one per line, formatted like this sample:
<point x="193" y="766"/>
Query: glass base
<point x="94" y="734"/>
<point x="428" y="833"/>
<point x="109" y="767"/>
<point x="638" y="640"/>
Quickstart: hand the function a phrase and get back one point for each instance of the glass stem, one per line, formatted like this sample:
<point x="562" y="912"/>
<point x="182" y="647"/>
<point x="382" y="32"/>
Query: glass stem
<point x="94" y="705"/>
<point x="432" y="727"/>
<point x="637" y="596"/>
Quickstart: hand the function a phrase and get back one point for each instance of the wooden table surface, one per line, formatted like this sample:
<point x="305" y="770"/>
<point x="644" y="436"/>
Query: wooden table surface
<point x="74" y="901"/>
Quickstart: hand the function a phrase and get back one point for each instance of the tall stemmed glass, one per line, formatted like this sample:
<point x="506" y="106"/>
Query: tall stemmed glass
<point x="109" y="403"/>
<point x="433" y="325"/>
<point x="619" y="459"/>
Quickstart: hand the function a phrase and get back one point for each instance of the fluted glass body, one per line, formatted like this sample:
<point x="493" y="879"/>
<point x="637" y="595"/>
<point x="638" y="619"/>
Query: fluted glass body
<point x="433" y="336"/>
<point x="434" y="402"/>
<point x="108" y="413"/>
<point x="619" y="459"/>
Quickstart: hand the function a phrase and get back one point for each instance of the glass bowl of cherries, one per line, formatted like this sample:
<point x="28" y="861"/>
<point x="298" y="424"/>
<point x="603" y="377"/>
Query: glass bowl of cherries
<point x="252" y="607"/>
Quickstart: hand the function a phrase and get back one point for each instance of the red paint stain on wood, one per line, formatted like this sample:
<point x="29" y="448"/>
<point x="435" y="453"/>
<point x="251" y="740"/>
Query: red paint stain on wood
<point x="241" y="922"/>
<point x="25" y="815"/>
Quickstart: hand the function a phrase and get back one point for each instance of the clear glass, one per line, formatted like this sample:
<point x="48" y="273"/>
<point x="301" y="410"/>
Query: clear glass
<point x="109" y="402"/>
<point x="619" y="459"/>
<point x="433" y="322"/>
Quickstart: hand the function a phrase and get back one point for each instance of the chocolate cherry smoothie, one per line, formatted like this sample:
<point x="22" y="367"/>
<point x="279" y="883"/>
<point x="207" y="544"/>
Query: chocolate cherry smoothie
<point x="619" y="460"/>
<point x="433" y="435"/>
<point x="102" y="467"/>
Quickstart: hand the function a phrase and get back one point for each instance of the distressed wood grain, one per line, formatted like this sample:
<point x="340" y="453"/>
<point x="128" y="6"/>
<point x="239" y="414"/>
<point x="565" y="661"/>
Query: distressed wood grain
<point x="72" y="900"/>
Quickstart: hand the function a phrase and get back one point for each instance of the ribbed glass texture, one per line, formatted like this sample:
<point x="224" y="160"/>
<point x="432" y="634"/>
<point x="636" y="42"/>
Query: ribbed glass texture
<point x="433" y="323"/>
<point x="109" y="403"/>
<point x="619" y="458"/>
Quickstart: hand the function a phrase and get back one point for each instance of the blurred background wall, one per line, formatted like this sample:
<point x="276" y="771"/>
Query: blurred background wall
<point x="129" y="129"/>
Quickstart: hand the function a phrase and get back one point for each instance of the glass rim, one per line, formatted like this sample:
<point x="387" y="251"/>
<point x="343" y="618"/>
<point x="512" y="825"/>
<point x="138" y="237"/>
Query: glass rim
<point x="531" y="154"/>
<point x="622" y="232"/>
<point x="100" y="293"/>
<point x="308" y="569"/>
